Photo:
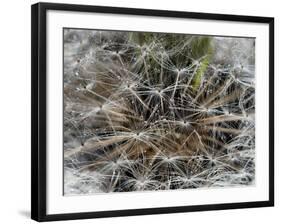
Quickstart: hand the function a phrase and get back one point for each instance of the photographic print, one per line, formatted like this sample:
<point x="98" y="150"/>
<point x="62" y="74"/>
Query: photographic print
<point x="131" y="106"/>
<point x="157" y="111"/>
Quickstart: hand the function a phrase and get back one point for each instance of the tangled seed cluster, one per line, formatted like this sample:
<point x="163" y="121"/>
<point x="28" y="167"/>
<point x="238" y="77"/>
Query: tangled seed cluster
<point x="155" y="111"/>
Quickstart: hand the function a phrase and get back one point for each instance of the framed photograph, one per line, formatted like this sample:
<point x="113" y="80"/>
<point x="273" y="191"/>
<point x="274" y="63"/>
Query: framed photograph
<point x="140" y="111"/>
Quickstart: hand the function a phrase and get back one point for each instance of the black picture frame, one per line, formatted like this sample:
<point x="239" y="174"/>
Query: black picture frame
<point x="39" y="108"/>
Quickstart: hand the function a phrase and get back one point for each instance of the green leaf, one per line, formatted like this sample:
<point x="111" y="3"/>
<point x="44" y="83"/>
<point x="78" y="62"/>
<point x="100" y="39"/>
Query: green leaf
<point x="201" y="48"/>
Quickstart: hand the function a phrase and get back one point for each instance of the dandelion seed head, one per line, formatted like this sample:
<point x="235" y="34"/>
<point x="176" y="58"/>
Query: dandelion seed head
<point x="148" y="111"/>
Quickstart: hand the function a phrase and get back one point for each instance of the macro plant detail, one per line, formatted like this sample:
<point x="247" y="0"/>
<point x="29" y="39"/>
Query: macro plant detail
<point x="157" y="111"/>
